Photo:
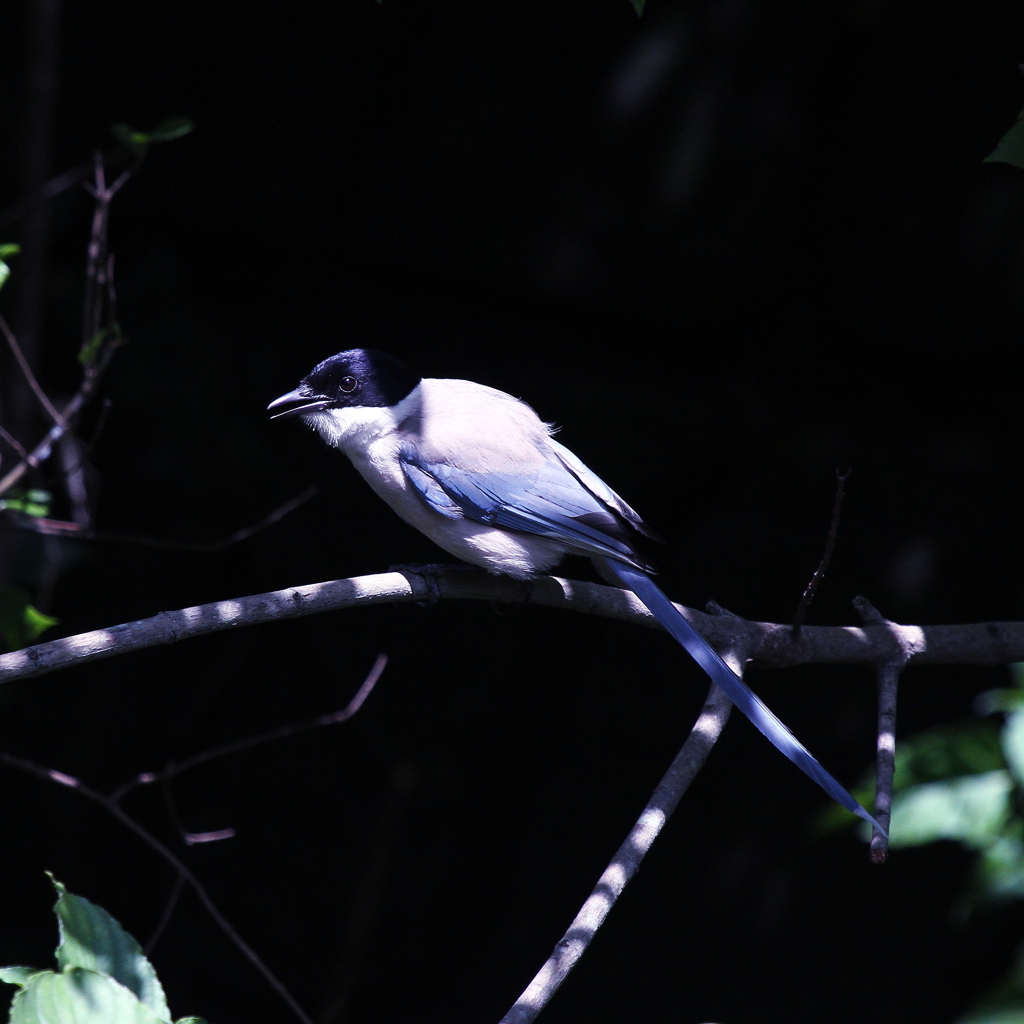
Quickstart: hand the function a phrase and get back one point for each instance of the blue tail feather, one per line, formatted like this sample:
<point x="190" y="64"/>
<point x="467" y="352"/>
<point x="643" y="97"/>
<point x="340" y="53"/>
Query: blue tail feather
<point x="737" y="691"/>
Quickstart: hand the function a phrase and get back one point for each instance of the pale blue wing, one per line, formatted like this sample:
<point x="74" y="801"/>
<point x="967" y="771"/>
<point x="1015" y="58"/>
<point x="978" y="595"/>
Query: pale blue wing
<point x="548" y="502"/>
<point x="593" y="483"/>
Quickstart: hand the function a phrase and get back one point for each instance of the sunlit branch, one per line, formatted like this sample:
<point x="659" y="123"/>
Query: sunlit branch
<point x="885" y="766"/>
<point x="626" y="862"/>
<point x="767" y="644"/>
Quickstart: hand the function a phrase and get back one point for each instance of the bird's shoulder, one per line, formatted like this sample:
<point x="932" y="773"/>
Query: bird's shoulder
<point x="477" y="428"/>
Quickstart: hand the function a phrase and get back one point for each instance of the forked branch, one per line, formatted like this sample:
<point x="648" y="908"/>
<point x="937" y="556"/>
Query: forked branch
<point x="767" y="644"/>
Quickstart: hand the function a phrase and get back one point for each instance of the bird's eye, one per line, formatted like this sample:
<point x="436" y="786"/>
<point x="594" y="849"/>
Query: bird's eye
<point x="348" y="384"/>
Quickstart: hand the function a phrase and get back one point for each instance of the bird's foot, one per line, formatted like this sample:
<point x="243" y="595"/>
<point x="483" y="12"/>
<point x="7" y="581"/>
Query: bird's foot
<point x="428" y="575"/>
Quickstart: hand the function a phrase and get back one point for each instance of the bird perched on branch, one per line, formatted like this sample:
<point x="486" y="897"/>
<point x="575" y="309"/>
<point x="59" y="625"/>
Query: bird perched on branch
<point x="479" y="473"/>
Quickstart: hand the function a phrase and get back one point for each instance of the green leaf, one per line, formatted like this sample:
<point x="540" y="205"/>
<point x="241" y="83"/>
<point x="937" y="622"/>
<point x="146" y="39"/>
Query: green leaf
<point x="35" y="623"/>
<point x="20" y="623"/>
<point x="166" y="131"/>
<point x="17" y="975"/>
<point x="90" y="349"/>
<point x="1012" y="741"/>
<point x="1008" y="698"/>
<point x="948" y="751"/>
<point x="33" y="502"/>
<point x="87" y="353"/>
<point x="638" y="6"/>
<point x="170" y="129"/>
<point x="91" y="939"/>
<point x="999" y="873"/>
<point x="77" y="996"/>
<point x="128" y="136"/>
<point x="7" y="250"/>
<point x="972" y="810"/>
<point x="1011" y="146"/>
<point x="961" y="748"/>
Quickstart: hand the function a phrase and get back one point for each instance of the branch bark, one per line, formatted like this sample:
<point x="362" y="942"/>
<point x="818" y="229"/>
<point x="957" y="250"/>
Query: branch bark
<point x="889" y="669"/>
<point x="626" y="862"/>
<point x="767" y="644"/>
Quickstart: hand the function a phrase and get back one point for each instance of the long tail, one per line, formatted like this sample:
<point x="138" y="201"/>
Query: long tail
<point x="738" y="692"/>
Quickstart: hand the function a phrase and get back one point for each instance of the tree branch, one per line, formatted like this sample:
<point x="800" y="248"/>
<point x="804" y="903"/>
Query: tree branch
<point x="885" y="764"/>
<point x="100" y="305"/>
<point x="626" y="862"/>
<point x="768" y="644"/>
<point x="42" y="451"/>
<point x="26" y="372"/>
<point x="889" y="670"/>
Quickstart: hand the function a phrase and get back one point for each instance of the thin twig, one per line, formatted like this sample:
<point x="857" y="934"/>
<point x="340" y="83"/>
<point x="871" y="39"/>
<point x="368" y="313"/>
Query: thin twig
<point x="29" y="376"/>
<point x="830" y="543"/>
<point x="165" y="917"/>
<point x="113" y="808"/>
<point x="84" y="451"/>
<point x="99" y="306"/>
<point x="41" y="452"/>
<point x="626" y="861"/>
<point x="110" y="802"/>
<point x="62" y="528"/>
<point x="14" y="443"/>
<point x="885" y="767"/>
<point x="58" y="184"/>
<point x="280" y="732"/>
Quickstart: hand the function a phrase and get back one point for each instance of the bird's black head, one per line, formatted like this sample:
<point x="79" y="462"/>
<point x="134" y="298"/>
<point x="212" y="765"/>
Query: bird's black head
<point x="358" y="377"/>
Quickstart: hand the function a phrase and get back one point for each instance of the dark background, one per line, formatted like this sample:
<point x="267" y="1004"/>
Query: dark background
<point x="731" y="246"/>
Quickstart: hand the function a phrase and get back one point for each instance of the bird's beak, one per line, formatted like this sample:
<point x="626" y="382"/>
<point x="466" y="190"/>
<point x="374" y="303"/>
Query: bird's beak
<point x="295" y="403"/>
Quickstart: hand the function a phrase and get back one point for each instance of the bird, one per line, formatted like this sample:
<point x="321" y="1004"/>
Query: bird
<point x="481" y="474"/>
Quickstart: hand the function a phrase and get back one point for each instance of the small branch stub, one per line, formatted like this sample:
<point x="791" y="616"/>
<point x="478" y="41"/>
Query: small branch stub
<point x="889" y="669"/>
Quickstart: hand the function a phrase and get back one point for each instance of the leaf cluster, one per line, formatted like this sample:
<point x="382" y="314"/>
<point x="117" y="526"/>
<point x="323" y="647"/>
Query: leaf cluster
<point x="964" y="782"/>
<point x="102" y="975"/>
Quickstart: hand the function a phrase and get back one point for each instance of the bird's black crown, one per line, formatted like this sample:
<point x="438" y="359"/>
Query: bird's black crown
<point x="360" y="377"/>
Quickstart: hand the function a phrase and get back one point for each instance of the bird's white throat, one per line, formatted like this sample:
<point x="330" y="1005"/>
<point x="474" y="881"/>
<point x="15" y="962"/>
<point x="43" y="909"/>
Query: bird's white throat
<point x="355" y="427"/>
